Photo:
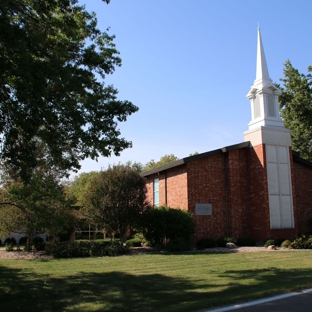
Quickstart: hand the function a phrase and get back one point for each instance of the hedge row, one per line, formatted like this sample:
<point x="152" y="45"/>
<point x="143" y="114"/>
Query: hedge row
<point x="85" y="249"/>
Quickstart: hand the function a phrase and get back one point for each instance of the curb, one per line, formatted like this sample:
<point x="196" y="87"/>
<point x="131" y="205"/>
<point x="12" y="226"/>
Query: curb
<point x="260" y="301"/>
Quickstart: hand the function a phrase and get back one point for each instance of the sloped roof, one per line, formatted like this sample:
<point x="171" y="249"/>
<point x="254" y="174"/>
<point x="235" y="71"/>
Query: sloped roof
<point x="196" y="157"/>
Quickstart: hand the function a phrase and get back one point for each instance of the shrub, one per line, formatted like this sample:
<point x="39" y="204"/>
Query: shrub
<point x="9" y="247"/>
<point x="205" y="243"/>
<point x="269" y="242"/>
<point x="177" y="244"/>
<point x="302" y="242"/>
<point x="246" y="241"/>
<point x="10" y="241"/>
<point x="221" y="242"/>
<point x="286" y="243"/>
<point x="23" y="241"/>
<point x="85" y="249"/>
<point x="164" y="223"/>
<point x="134" y="242"/>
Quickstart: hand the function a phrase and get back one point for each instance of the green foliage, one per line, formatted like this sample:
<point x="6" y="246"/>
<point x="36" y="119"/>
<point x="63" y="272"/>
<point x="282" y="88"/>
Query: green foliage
<point x="221" y="242"/>
<point x="246" y="241"/>
<point x="269" y="242"/>
<point x="53" y="64"/>
<point x="286" y="243"/>
<point x="134" y="242"/>
<point x="161" y="224"/>
<point x="302" y="242"/>
<point x="205" y="243"/>
<point x="117" y="198"/>
<point x="85" y="249"/>
<point x="40" y="205"/>
<point x="296" y="108"/>
<point x="9" y="247"/>
<point x="164" y="160"/>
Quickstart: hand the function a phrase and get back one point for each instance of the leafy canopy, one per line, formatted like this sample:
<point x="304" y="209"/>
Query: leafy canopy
<point x="296" y="108"/>
<point x="53" y="64"/>
<point x="166" y="159"/>
<point x="116" y="197"/>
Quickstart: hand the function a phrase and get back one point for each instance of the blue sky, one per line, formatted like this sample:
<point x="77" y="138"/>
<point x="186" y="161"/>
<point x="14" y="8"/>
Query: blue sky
<point x="188" y="66"/>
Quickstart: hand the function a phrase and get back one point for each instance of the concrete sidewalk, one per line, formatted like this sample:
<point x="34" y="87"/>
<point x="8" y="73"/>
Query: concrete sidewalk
<point x="296" y="301"/>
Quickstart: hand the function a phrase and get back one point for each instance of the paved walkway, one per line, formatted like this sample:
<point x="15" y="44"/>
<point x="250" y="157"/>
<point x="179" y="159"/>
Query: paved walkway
<point x="296" y="301"/>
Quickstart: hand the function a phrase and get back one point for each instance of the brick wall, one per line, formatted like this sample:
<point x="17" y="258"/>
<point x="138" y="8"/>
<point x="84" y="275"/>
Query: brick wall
<point x="206" y="185"/>
<point x="235" y="183"/>
<point x="303" y="192"/>
<point x="172" y="187"/>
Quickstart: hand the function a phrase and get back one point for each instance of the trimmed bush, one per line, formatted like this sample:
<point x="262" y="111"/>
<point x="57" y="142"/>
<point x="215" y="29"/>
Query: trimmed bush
<point x="221" y="242"/>
<point x="302" y="242"/>
<point x="286" y="243"/>
<point x="134" y="242"/>
<point x="269" y="242"/>
<point x="205" y="243"/>
<point x="246" y="241"/>
<point x="85" y="249"/>
<point x="161" y="224"/>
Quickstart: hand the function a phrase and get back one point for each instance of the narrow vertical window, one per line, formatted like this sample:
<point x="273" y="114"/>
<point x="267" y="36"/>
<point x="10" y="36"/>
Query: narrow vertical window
<point x="156" y="192"/>
<point x="256" y="102"/>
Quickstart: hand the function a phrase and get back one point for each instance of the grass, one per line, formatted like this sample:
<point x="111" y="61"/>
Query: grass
<point x="155" y="282"/>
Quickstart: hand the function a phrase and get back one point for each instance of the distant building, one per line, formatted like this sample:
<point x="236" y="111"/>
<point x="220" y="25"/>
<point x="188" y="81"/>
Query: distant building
<point x="258" y="188"/>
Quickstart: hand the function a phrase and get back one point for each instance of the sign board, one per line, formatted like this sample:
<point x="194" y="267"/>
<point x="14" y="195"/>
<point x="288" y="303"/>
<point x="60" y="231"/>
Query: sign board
<point x="203" y="209"/>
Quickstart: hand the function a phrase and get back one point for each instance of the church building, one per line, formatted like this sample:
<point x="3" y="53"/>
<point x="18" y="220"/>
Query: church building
<point x="258" y="188"/>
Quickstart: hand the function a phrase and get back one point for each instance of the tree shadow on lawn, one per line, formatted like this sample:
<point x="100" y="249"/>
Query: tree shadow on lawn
<point x="24" y="290"/>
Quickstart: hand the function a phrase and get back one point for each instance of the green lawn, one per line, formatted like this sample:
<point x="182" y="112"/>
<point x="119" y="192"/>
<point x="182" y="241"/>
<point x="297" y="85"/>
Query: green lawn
<point x="155" y="282"/>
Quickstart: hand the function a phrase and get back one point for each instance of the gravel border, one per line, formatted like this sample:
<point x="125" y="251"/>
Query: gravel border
<point x="39" y="255"/>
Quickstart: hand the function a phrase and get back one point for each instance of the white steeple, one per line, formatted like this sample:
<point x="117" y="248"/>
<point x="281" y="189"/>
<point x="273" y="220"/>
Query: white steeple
<point x="267" y="133"/>
<point x="262" y="73"/>
<point x="264" y="95"/>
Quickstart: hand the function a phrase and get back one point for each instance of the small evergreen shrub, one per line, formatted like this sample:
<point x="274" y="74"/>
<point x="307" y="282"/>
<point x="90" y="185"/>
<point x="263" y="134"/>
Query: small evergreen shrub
<point x="269" y="242"/>
<point x="286" y="243"/>
<point x="302" y="242"/>
<point x="159" y="224"/>
<point x="9" y="247"/>
<point x="177" y="244"/>
<point x="221" y="242"/>
<point x="134" y="242"/>
<point x="205" y="243"/>
<point x="85" y="249"/>
<point x="246" y="241"/>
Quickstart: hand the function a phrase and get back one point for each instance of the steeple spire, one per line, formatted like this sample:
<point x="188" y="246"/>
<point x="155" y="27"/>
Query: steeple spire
<point x="263" y="95"/>
<point x="262" y="74"/>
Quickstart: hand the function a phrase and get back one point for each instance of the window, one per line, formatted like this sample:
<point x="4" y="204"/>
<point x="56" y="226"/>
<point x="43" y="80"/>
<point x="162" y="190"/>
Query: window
<point x="156" y="192"/>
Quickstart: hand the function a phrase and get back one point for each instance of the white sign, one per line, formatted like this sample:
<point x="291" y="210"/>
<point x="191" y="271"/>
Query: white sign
<point x="203" y="209"/>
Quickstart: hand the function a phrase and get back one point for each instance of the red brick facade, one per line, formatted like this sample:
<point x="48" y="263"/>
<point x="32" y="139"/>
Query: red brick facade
<point x="235" y="183"/>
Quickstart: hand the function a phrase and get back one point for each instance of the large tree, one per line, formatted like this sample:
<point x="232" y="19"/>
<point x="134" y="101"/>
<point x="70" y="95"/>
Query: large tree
<point x="53" y="62"/>
<point x="296" y="108"/>
<point x="116" y="197"/>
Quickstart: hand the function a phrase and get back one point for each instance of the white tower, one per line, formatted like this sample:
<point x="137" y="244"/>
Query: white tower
<point x="267" y="128"/>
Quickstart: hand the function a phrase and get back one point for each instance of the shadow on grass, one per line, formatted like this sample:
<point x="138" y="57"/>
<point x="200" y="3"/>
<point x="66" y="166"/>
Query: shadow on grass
<point x="24" y="290"/>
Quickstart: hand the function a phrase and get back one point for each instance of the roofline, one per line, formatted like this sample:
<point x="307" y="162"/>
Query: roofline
<point x="195" y="157"/>
<point x="300" y="160"/>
